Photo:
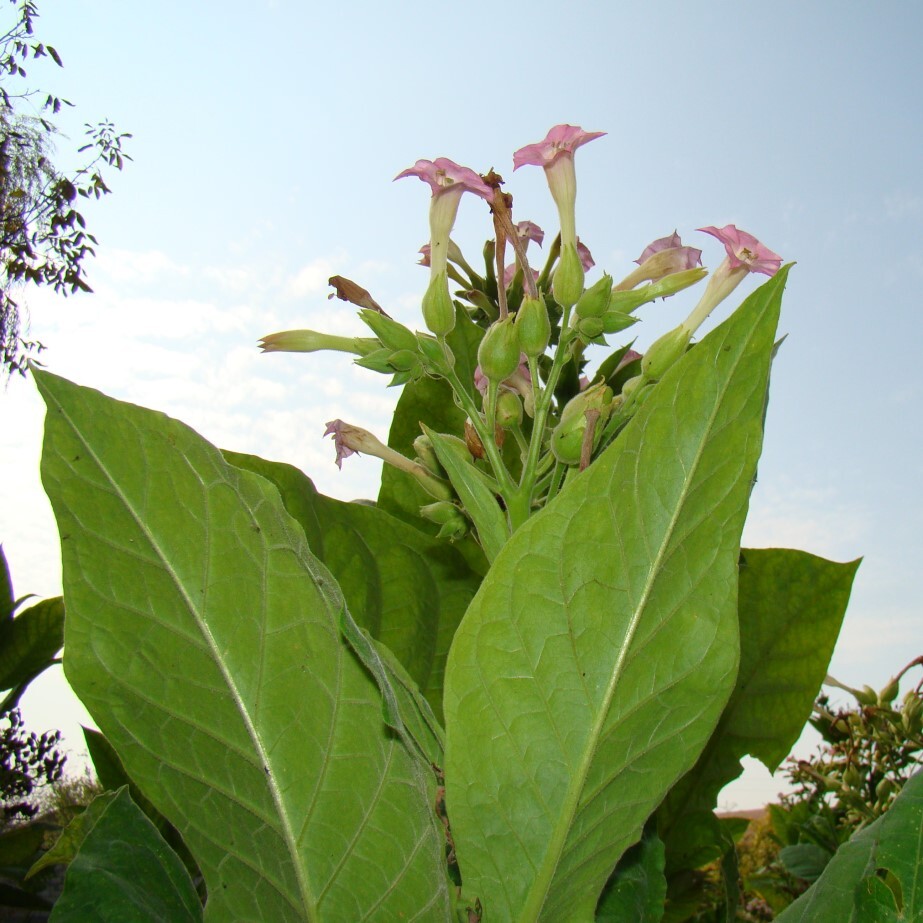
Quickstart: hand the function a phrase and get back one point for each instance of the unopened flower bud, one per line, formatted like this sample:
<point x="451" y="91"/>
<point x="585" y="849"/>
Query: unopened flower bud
<point x="884" y="790"/>
<point x="866" y="695"/>
<point x="664" y="352"/>
<point x="567" y="286"/>
<point x="498" y="354"/>
<point x="436" y="358"/>
<point x="509" y="409"/>
<point x="426" y="455"/>
<point x="567" y="437"/>
<point x="594" y="302"/>
<point x="589" y="327"/>
<point x="889" y="693"/>
<point x="533" y="327"/>
<point x="388" y="330"/>
<point x="438" y="310"/>
<point x="447" y="515"/>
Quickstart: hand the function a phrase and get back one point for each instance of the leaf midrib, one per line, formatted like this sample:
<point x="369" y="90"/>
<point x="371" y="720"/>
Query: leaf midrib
<point x="543" y="881"/>
<point x="264" y="757"/>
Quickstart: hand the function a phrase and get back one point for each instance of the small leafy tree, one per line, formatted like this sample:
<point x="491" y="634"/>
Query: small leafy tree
<point x="43" y="237"/>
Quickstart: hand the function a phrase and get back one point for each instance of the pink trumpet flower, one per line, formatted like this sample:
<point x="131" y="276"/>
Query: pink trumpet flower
<point x="744" y="249"/>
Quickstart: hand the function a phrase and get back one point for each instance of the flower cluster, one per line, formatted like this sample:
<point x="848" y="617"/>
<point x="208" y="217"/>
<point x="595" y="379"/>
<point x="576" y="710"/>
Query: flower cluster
<point x="534" y="327"/>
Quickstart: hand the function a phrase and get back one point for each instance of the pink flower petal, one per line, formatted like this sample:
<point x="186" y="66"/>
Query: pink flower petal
<point x="528" y="230"/>
<point x="662" y="243"/>
<point x="586" y="258"/>
<point x="335" y="429"/>
<point x="744" y="249"/>
<point x="561" y="140"/>
<point x="443" y="174"/>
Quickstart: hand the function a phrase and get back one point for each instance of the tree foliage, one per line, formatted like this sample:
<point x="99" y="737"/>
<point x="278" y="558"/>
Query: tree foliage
<point x="43" y="237"/>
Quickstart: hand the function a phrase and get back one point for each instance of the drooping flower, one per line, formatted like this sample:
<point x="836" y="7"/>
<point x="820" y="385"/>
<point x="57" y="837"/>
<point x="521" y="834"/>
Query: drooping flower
<point x="344" y="437"/>
<point x="662" y="243"/>
<point x="744" y="249"/>
<point x="663" y="257"/>
<point x="351" y="440"/>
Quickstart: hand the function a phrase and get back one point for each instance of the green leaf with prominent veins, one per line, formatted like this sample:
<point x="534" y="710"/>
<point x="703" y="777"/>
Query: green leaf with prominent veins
<point x="595" y="660"/>
<point x="791" y="605"/>
<point x="120" y="869"/>
<point x="203" y="636"/>
<point x="406" y="589"/>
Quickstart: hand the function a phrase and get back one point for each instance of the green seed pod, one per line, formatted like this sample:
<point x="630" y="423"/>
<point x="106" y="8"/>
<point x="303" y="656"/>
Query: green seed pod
<point x="567" y="286"/>
<point x="594" y="302"/>
<point x="498" y="354"/>
<point x="533" y="326"/>
<point x="438" y="310"/>
<point x="567" y="437"/>
<point x="664" y="352"/>
<point x="509" y="409"/>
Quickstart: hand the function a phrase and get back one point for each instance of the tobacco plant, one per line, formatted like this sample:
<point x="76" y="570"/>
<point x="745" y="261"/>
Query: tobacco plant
<point x="510" y="689"/>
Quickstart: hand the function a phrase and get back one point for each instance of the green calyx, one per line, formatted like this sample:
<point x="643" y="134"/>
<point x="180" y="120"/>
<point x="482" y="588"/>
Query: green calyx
<point x="498" y="354"/>
<point x="664" y="352"/>
<point x="567" y="437"/>
<point x="568" y="277"/>
<point x="594" y="302"/>
<point x="533" y="326"/>
<point x="438" y="309"/>
<point x="391" y="334"/>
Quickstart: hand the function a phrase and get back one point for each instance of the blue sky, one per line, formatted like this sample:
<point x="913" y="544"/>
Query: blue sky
<point x="266" y="139"/>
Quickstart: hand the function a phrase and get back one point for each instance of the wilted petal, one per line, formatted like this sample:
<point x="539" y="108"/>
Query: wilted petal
<point x="341" y="432"/>
<point x="662" y="243"/>
<point x="424" y="259"/>
<point x="561" y="140"/>
<point x="586" y="258"/>
<point x="745" y="250"/>
<point x="443" y="175"/>
<point x="347" y="290"/>
<point x="528" y="230"/>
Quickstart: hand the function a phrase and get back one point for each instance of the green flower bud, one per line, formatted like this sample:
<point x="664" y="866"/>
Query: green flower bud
<point x="438" y="310"/>
<point x="567" y="286"/>
<point x="434" y="356"/>
<point x="426" y="455"/>
<point x="509" y="409"/>
<point x="884" y="790"/>
<point x="589" y="327"/>
<point x="533" y="326"/>
<point x="889" y="693"/>
<point x="866" y="695"/>
<point x="449" y="516"/>
<point x="851" y="776"/>
<point x="390" y="332"/>
<point x="594" y="302"/>
<point x="664" y="352"/>
<point x="632" y="385"/>
<point x="498" y="354"/>
<point x="616" y="321"/>
<point x="567" y="437"/>
<point x="377" y="361"/>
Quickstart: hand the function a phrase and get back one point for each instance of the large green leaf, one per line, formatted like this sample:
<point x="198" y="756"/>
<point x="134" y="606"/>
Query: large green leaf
<point x="877" y="877"/>
<point x="595" y="660"/>
<point x="791" y="605"/>
<point x="203" y="637"/>
<point x="637" y="890"/>
<point x="120" y="869"/>
<point x="406" y="589"/>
